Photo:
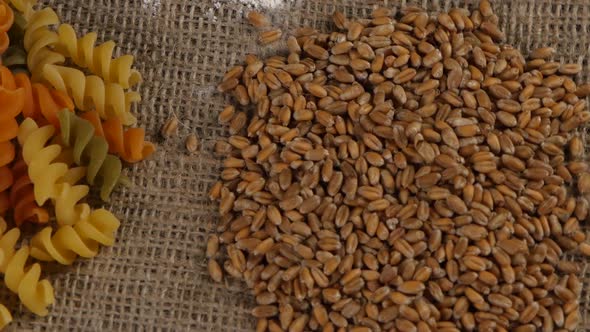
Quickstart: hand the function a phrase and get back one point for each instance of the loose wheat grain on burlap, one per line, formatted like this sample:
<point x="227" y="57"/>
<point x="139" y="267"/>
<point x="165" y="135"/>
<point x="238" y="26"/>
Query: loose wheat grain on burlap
<point x="155" y="278"/>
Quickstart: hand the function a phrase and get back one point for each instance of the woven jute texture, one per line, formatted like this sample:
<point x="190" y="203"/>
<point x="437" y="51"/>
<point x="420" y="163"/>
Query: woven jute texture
<point x="155" y="278"/>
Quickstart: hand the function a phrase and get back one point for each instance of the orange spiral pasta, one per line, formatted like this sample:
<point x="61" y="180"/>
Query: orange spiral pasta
<point x="6" y="20"/>
<point x="22" y="197"/>
<point x="128" y="144"/>
<point x="11" y="104"/>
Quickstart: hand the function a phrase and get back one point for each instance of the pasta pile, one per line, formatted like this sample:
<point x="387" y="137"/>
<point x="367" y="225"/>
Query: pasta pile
<point x="65" y="108"/>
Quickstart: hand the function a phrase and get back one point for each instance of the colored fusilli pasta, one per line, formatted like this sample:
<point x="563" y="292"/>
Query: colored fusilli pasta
<point x="91" y="92"/>
<point x="43" y="80"/>
<point x="129" y="144"/>
<point x="47" y="174"/>
<point x="22" y="197"/>
<point x="92" y="151"/>
<point x="36" y="295"/>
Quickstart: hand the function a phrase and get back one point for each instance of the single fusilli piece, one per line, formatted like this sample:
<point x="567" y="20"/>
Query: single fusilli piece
<point x="98" y="59"/>
<point x="47" y="174"/>
<point x="129" y="144"/>
<point x="82" y="239"/>
<point x="48" y="103"/>
<point x="91" y="92"/>
<point x="39" y="39"/>
<point x="36" y="295"/>
<point x="11" y="104"/>
<point x="92" y="151"/>
<point x="22" y="197"/>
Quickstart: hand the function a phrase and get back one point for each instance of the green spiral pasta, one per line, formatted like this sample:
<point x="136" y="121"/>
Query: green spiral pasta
<point x="91" y="151"/>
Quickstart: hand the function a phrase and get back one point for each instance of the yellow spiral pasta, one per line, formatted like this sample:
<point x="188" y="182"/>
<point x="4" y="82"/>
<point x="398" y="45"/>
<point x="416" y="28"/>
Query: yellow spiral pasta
<point x="90" y="92"/>
<point x="39" y="40"/>
<point x="82" y="239"/>
<point x="49" y="176"/>
<point x="99" y="60"/>
<point x="21" y="279"/>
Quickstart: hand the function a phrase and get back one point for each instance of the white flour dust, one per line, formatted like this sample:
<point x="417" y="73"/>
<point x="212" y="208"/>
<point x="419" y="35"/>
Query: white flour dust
<point x="262" y="4"/>
<point x="152" y="6"/>
<point x="269" y="4"/>
<point x="265" y="6"/>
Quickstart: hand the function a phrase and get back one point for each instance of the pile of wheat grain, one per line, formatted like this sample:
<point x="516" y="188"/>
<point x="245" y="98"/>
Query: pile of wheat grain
<point x="404" y="175"/>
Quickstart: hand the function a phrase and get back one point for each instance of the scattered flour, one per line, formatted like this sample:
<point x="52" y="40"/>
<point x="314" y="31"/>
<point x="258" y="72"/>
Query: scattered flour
<point x="269" y="4"/>
<point x="262" y="4"/>
<point x="152" y="5"/>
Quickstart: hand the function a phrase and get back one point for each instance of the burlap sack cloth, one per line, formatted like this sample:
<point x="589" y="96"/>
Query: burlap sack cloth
<point x="155" y="278"/>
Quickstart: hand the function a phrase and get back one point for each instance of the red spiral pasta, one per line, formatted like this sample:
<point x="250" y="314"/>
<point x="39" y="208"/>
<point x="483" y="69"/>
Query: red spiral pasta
<point x="22" y="197"/>
<point x="129" y="144"/>
<point x="11" y="104"/>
